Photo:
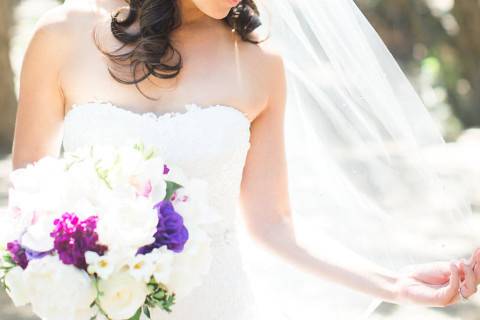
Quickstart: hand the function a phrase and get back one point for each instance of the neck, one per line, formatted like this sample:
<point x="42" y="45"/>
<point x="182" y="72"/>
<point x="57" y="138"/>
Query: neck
<point x="190" y="13"/>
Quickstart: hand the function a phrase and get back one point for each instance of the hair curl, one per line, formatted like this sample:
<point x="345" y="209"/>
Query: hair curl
<point x="152" y="47"/>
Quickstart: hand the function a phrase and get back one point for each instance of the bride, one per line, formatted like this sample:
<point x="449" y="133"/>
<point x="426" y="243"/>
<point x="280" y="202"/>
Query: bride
<point x="174" y="73"/>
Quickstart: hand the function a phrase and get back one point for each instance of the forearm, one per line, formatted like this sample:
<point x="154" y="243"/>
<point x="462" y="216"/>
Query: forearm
<point x="359" y="274"/>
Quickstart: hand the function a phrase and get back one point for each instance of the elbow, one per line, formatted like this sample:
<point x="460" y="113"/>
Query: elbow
<point x="271" y="232"/>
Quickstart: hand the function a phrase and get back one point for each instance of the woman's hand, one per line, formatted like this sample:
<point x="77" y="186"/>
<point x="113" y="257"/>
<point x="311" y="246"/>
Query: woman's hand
<point x="471" y="270"/>
<point x="437" y="284"/>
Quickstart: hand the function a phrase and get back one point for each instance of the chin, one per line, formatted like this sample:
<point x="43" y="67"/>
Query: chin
<point x="219" y="13"/>
<point x="216" y="9"/>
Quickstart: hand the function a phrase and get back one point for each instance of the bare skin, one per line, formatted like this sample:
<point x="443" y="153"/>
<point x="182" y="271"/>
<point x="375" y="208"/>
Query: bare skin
<point x="62" y="66"/>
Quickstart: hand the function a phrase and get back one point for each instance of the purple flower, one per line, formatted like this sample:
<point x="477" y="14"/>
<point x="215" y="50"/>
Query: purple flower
<point x="31" y="254"/>
<point x="22" y="255"/>
<point x="18" y="253"/>
<point x="72" y="238"/>
<point x="165" y="169"/>
<point x="171" y="230"/>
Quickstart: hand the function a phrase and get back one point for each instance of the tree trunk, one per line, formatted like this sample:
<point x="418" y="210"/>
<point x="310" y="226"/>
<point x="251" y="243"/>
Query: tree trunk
<point x="8" y="101"/>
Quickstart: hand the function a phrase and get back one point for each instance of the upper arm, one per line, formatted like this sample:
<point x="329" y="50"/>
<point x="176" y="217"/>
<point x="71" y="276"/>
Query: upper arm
<point x="264" y="188"/>
<point x="40" y="110"/>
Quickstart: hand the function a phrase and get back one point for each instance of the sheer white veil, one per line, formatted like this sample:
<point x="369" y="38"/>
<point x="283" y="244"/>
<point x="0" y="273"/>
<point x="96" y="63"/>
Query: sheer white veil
<point x="360" y="186"/>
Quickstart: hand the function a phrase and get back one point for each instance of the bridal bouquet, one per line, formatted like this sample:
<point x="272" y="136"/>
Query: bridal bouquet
<point x="104" y="232"/>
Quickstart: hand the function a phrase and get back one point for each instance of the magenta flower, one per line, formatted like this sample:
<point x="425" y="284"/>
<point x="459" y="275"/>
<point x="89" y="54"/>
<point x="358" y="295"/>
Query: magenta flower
<point x="74" y="237"/>
<point x="165" y="169"/>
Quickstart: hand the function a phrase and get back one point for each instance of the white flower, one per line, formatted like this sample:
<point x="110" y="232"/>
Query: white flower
<point x="85" y="191"/>
<point x="177" y="175"/>
<point x="103" y="266"/>
<point x="127" y="224"/>
<point x="38" y="186"/>
<point x="122" y="295"/>
<point x="58" y="291"/>
<point x="37" y="237"/>
<point x="137" y="176"/>
<point x="12" y="224"/>
<point x="141" y="267"/>
<point x="196" y="210"/>
<point x="162" y="261"/>
<point x="16" y="286"/>
<point x="37" y="190"/>
<point x="189" y="267"/>
<point x="153" y="171"/>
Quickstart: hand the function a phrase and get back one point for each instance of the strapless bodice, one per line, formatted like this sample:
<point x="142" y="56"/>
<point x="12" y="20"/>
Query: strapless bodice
<point x="210" y="143"/>
<point x="200" y="140"/>
<point x="205" y="142"/>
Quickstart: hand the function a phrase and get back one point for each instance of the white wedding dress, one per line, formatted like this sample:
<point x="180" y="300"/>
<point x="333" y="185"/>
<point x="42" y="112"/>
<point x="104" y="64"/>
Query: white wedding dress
<point x="206" y="142"/>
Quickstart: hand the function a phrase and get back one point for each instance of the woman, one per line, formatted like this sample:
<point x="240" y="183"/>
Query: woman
<point x="228" y="94"/>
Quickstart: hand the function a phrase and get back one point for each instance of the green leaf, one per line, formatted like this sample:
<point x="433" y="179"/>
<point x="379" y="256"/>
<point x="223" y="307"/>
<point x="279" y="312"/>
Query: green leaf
<point x="8" y="259"/>
<point x="137" y="314"/>
<point x="146" y="153"/>
<point x="159" y="295"/>
<point x="150" y="154"/>
<point x="146" y="311"/>
<point x="139" y="146"/>
<point x="171" y="188"/>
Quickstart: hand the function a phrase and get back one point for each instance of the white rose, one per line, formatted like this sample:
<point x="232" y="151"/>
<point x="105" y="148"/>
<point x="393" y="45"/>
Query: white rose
<point x="127" y="224"/>
<point x="47" y="171"/>
<point x="16" y="287"/>
<point x="122" y="295"/>
<point x="38" y="187"/>
<point x="58" y="291"/>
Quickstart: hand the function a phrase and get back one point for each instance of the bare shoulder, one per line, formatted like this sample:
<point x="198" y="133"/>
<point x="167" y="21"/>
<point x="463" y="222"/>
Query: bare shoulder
<point x="273" y="60"/>
<point x="265" y="56"/>
<point x="53" y="39"/>
<point x="266" y="63"/>
<point x="58" y="34"/>
<point x="64" y="22"/>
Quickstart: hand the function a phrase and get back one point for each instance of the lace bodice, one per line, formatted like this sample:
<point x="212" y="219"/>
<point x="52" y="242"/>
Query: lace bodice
<point x="206" y="142"/>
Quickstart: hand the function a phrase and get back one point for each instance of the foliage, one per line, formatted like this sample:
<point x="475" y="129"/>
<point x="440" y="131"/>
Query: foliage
<point x="436" y="43"/>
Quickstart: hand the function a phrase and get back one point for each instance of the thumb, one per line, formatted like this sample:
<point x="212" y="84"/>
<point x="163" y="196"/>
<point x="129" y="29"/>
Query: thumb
<point x="477" y="255"/>
<point x="450" y="292"/>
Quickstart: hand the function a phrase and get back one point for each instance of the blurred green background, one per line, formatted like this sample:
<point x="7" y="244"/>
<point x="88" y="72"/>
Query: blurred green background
<point x="436" y="42"/>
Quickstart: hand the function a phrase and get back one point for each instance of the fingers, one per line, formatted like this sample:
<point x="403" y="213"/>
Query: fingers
<point x="461" y="271"/>
<point x="476" y="268"/>
<point x="436" y="273"/>
<point x="450" y="294"/>
<point x="475" y="257"/>
<point x="476" y="271"/>
<point x="469" y="285"/>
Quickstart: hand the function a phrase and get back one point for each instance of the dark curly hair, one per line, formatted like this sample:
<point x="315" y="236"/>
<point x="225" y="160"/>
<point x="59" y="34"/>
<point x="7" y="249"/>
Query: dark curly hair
<point x="152" y="48"/>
